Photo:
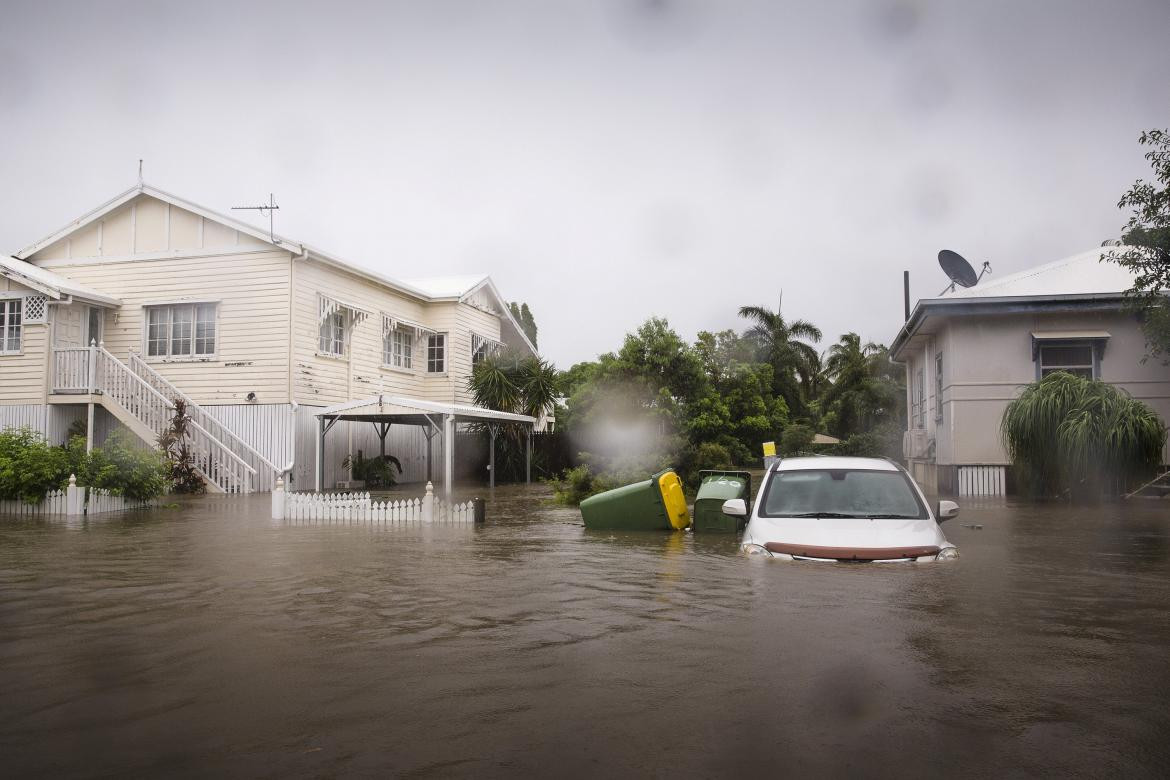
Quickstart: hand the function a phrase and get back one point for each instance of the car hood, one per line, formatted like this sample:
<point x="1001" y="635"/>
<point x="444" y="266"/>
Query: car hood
<point x="845" y="532"/>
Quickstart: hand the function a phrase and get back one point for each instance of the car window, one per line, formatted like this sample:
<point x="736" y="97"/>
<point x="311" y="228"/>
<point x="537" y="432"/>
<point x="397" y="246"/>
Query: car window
<point x="841" y="492"/>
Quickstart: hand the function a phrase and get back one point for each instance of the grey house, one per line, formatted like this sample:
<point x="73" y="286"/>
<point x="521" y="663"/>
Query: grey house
<point x="970" y="352"/>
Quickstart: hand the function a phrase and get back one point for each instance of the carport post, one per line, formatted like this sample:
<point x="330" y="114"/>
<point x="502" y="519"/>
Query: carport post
<point x="320" y="470"/>
<point x="492" y="455"/>
<point x="448" y="453"/>
<point x="528" y="458"/>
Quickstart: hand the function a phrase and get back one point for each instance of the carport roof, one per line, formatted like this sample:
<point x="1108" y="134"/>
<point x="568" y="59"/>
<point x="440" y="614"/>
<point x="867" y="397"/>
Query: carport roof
<point x="414" y="411"/>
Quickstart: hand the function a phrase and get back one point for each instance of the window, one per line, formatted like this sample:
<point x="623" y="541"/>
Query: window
<point x="882" y="495"/>
<point x="11" y="312"/>
<point x="938" y="387"/>
<point x="482" y="348"/>
<point x="1073" y="357"/>
<point x="398" y="348"/>
<point x="181" y="330"/>
<point x="437" y="353"/>
<point x="93" y="326"/>
<point x="333" y="334"/>
<point x="917" y="406"/>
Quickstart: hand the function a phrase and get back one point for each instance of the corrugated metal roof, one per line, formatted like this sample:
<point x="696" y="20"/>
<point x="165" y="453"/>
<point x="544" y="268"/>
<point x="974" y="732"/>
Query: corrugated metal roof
<point x="447" y="286"/>
<point x="1080" y="274"/>
<point x="42" y="279"/>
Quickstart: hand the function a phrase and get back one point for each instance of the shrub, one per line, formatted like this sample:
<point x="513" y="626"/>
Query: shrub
<point x="1067" y="433"/>
<point x="576" y="485"/>
<point x="377" y="471"/>
<point x="29" y="467"/>
<point x="173" y="441"/>
<point x="121" y="467"/>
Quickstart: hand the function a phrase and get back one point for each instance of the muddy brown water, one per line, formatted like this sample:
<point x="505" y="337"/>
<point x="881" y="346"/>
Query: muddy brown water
<point x="206" y="640"/>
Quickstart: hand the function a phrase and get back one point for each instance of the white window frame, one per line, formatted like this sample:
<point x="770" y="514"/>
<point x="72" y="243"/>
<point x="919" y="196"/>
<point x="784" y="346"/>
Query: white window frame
<point x="191" y="355"/>
<point x="917" y="401"/>
<point x="398" y="350"/>
<point x="12" y="308"/>
<point x="938" y="387"/>
<point x="442" y="349"/>
<point x="332" y="343"/>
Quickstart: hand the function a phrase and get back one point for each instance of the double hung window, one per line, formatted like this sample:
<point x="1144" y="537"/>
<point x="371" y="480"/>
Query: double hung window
<point x="437" y="353"/>
<point x="1071" y="356"/>
<point x="186" y="330"/>
<point x="11" y="325"/>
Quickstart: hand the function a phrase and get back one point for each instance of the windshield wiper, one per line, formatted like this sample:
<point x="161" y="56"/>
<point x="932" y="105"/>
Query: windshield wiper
<point x="824" y="514"/>
<point x="894" y="517"/>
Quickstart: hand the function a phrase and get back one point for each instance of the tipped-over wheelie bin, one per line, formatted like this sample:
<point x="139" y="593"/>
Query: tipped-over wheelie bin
<point x="715" y="487"/>
<point x="657" y="504"/>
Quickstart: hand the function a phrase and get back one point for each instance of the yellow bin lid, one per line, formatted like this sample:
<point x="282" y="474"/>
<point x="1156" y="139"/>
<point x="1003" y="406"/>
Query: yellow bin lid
<point x="675" y="500"/>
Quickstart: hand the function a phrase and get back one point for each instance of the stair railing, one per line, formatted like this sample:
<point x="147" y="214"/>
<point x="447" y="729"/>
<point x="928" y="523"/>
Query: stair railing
<point x="266" y="471"/>
<point x="214" y="459"/>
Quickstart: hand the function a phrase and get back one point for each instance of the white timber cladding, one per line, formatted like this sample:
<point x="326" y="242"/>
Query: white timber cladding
<point x="361" y="370"/>
<point x="23" y="367"/>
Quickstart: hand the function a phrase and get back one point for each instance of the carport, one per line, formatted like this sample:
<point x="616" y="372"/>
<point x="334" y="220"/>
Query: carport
<point x="434" y="417"/>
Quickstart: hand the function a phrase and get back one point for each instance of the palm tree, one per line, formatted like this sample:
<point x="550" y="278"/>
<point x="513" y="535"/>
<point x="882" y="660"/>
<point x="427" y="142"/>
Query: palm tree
<point x="853" y="393"/>
<point x="794" y="363"/>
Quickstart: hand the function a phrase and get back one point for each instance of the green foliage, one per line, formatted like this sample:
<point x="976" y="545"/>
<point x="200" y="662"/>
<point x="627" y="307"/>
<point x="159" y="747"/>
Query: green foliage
<point x="376" y="472"/>
<point x="576" y="485"/>
<point x="175" y="445"/>
<point x="863" y="389"/>
<point x="795" y="439"/>
<point x="119" y="466"/>
<point x="712" y="456"/>
<point x="1067" y="433"/>
<point x="524" y="316"/>
<point x="29" y="467"/>
<point x="795" y="364"/>
<point x="1147" y="245"/>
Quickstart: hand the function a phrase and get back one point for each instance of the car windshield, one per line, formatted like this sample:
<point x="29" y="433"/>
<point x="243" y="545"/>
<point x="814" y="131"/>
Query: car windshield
<point x="842" y="493"/>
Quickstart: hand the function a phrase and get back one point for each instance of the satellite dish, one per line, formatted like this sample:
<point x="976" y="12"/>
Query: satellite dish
<point x="957" y="268"/>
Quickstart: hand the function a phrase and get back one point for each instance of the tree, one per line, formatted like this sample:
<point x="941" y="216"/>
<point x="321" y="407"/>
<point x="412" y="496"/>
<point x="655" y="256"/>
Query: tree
<point x="864" y="388"/>
<point x="1067" y="433"/>
<point x="1146" y="248"/>
<point x="524" y="316"/>
<point x="795" y="364"/>
<point x="180" y="461"/>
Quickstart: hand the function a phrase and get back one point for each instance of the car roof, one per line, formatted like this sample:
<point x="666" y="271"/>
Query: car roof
<point x="835" y="462"/>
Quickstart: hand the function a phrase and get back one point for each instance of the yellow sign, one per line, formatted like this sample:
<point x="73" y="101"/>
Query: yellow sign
<point x="769" y="449"/>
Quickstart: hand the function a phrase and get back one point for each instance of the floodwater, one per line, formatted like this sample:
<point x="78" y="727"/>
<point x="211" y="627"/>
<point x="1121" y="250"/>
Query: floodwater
<point x="206" y="640"/>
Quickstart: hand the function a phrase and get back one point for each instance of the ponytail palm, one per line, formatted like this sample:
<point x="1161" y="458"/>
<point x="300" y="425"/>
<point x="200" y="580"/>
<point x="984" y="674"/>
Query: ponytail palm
<point x="1067" y="433"/>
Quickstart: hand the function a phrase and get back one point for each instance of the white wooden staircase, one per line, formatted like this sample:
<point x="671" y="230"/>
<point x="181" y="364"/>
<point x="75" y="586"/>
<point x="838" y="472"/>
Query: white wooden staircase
<point x="142" y="400"/>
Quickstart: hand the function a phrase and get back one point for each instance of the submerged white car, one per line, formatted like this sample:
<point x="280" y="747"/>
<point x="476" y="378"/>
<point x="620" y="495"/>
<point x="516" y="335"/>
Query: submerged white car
<point x="845" y="510"/>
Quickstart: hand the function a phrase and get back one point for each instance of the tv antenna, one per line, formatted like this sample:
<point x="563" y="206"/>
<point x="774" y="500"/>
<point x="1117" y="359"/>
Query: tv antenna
<point x="959" y="270"/>
<point x="270" y="207"/>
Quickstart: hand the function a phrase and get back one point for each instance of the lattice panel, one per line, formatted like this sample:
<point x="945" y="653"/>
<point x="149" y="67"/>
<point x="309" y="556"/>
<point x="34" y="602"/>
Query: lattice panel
<point x="36" y="308"/>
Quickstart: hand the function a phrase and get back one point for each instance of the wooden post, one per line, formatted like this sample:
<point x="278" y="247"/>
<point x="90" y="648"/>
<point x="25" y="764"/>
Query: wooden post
<point x="91" y="387"/>
<point x="74" y="498"/>
<point x="528" y="458"/>
<point x="448" y="454"/>
<point x="320" y="470"/>
<point x="278" y="499"/>
<point x="492" y="456"/>
<point x="428" y="504"/>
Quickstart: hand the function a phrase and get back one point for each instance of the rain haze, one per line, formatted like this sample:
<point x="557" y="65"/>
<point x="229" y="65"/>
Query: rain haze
<point x="605" y="161"/>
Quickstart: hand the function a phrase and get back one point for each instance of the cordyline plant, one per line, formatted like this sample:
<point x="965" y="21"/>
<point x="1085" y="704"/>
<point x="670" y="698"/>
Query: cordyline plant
<point x="1076" y="436"/>
<point x="174" y="442"/>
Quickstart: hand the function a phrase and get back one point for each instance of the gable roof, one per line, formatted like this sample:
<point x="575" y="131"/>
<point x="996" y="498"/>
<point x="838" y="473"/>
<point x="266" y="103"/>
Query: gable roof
<point x="457" y="288"/>
<point x="49" y="283"/>
<point x="1078" y="280"/>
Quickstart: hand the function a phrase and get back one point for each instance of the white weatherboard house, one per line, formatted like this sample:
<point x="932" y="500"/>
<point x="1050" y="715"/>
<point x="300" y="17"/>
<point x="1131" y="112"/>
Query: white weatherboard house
<point x="150" y="298"/>
<point x="970" y="352"/>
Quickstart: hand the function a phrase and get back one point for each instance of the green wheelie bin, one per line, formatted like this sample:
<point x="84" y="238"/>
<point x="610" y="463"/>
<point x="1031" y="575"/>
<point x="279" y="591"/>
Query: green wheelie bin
<point x="657" y="504"/>
<point x="715" y="487"/>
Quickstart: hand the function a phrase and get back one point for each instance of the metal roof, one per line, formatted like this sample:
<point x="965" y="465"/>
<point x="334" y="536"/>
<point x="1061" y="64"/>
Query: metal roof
<point x="49" y="283"/>
<point x="389" y="406"/>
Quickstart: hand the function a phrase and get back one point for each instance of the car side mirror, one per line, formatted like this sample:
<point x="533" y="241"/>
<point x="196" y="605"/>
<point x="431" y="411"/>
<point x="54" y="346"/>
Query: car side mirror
<point x="736" y="507"/>
<point x="947" y="510"/>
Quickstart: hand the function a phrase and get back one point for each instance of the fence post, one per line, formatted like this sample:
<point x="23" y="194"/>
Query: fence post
<point x="428" y="504"/>
<point x="278" y="499"/>
<point x="479" y="509"/>
<point x="74" y="498"/>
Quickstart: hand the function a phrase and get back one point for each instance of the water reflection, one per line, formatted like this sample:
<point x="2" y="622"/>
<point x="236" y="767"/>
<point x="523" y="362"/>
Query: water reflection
<point x="204" y="639"/>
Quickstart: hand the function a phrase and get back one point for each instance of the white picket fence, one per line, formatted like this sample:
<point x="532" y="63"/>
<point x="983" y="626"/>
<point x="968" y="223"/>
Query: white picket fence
<point x="361" y="508"/>
<point x="73" y="500"/>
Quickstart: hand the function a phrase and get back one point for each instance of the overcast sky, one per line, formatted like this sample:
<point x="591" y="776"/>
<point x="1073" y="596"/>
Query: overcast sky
<point x="611" y="160"/>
